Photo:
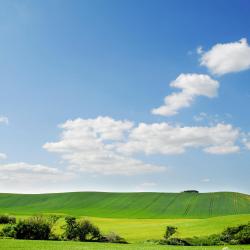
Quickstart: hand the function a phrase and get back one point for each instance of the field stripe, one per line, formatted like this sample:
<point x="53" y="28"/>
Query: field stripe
<point x="235" y="203"/>
<point x="211" y="205"/>
<point x="189" y="204"/>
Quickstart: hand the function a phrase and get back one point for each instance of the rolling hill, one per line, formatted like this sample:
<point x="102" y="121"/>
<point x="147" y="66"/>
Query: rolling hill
<point x="128" y="205"/>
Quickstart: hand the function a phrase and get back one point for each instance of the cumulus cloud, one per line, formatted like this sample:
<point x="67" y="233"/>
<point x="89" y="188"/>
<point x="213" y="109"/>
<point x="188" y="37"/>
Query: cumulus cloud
<point x="4" y="120"/>
<point x="90" y="146"/>
<point x="227" y="58"/>
<point x="107" y="146"/>
<point x="20" y="176"/>
<point x="26" y="167"/>
<point x="3" y="156"/>
<point x="162" y="138"/>
<point x="191" y="86"/>
<point x="26" y="172"/>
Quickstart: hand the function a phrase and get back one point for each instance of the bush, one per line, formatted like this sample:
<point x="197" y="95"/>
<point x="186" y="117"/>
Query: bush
<point x="5" y="219"/>
<point x="113" y="238"/>
<point x="86" y="231"/>
<point x="170" y="230"/>
<point x="237" y="235"/>
<point x="8" y="231"/>
<point x="211" y="240"/>
<point x="34" y="228"/>
<point x="82" y="230"/>
<point x="232" y="235"/>
<point x="52" y="219"/>
<point x="71" y="228"/>
<point x="174" y="242"/>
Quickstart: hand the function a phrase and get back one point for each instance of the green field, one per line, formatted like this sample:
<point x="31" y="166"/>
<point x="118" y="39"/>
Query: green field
<point x="52" y="245"/>
<point x="140" y="230"/>
<point x="137" y="217"/>
<point x="128" y="205"/>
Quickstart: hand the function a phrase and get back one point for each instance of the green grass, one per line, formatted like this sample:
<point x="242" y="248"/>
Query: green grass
<point x="135" y="216"/>
<point x="128" y="205"/>
<point x="140" y="230"/>
<point x="136" y="230"/>
<point x="53" y="245"/>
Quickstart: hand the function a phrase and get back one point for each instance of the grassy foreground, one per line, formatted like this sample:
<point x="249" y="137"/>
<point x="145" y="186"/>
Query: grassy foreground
<point x="59" y="245"/>
<point x="128" y="205"/>
<point x="140" y="230"/>
<point x="137" y="230"/>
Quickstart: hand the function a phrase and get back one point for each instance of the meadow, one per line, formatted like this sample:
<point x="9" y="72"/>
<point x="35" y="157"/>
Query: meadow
<point x="140" y="230"/>
<point x="128" y="205"/>
<point x="137" y="217"/>
<point x="60" y="245"/>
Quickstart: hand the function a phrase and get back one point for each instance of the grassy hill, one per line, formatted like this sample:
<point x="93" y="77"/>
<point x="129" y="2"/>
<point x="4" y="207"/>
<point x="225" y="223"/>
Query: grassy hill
<point x="128" y="205"/>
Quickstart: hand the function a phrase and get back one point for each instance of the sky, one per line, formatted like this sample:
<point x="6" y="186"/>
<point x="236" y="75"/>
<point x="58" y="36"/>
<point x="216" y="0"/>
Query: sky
<point x="124" y="96"/>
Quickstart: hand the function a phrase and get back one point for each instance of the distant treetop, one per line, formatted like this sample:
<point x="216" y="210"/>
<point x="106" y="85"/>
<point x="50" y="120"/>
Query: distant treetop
<point x="190" y="191"/>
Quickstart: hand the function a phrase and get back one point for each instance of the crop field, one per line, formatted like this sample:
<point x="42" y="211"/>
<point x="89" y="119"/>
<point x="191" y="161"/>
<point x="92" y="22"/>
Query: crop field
<point x="140" y="230"/>
<point x="60" y="245"/>
<point x="137" y="217"/>
<point x="128" y="205"/>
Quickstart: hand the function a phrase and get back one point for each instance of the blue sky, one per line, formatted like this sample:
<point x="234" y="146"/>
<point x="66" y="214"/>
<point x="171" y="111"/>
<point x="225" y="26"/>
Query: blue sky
<point x="103" y="66"/>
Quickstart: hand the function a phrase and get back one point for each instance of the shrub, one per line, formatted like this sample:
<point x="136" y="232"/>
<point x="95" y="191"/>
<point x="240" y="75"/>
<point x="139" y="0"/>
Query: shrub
<point x="5" y="219"/>
<point x="211" y="240"/>
<point x="52" y="219"/>
<point x="71" y="228"/>
<point x="82" y="230"/>
<point x="8" y="231"/>
<point x="174" y="241"/>
<point x="34" y="228"/>
<point x="86" y="231"/>
<point x="237" y="235"/>
<point x="113" y="238"/>
<point x="170" y="230"/>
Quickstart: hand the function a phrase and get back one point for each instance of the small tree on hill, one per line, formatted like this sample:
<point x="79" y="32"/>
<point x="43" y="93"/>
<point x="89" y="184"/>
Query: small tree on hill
<point x="170" y="230"/>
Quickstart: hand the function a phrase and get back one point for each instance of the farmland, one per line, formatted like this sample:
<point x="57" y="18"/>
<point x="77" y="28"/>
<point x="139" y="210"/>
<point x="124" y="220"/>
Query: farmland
<point x="128" y="205"/>
<point x="137" y="217"/>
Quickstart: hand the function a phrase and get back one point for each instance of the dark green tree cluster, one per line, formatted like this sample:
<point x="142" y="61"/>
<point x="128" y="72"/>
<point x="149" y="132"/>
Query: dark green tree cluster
<point x="5" y="219"/>
<point x="84" y="230"/>
<point x="34" y="228"/>
<point x="232" y="236"/>
<point x="40" y="228"/>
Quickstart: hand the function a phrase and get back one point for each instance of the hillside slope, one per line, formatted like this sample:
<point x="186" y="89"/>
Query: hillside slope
<point x="128" y="205"/>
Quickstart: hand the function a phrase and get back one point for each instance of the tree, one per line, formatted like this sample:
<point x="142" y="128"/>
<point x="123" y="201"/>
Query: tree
<point x="170" y="230"/>
<point x="71" y="228"/>
<point x="87" y="231"/>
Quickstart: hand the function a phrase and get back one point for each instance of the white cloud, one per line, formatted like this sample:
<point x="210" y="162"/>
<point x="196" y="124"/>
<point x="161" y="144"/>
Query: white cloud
<point x="212" y="119"/>
<point x="3" y="156"/>
<point x="191" y="85"/>
<point x="199" y="50"/>
<point x="162" y="138"/>
<point x="4" y="119"/>
<point x="26" y="167"/>
<point x="31" y="178"/>
<point x="90" y="146"/>
<point x="228" y="57"/>
<point x="107" y="146"/>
